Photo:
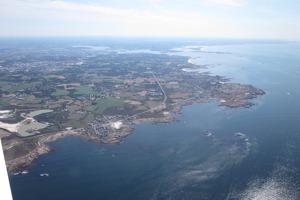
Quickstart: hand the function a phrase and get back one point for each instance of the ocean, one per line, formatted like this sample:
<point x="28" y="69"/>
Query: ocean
<point x="176" y="161"/>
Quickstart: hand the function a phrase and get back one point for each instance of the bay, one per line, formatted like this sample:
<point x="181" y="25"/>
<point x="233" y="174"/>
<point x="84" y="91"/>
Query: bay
<point x="176" y="161"/>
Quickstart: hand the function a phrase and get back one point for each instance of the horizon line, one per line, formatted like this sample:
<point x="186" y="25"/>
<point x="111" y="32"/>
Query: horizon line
<point x="143" y="36"/>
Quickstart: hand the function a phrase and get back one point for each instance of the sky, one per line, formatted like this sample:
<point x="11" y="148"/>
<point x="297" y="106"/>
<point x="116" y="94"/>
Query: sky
<point x="258" y="19"/>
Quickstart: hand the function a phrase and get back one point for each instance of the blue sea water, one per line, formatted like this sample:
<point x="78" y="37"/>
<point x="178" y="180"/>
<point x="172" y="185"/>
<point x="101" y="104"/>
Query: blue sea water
<point x="175" y="161"/>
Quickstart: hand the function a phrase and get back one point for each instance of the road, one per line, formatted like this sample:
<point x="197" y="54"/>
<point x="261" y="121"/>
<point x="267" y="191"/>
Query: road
<point x="163" y="91"/>
<point x="151" y="109"/>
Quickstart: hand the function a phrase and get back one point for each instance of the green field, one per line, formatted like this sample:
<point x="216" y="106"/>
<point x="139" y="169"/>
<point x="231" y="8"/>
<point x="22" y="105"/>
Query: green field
<point x="88" y="118"/>
<point x="84" y="90"/>
<point x="23" y="86"/>
<point x="103" y="104"/>
<point x="3" y="103"/>
<point x="98" y="78"/>
<point x="4" y="83"/>
<point x="60" y="93"/>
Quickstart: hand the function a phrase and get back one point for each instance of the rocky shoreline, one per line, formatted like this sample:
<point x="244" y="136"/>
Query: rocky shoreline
<point x="23" y="162"/>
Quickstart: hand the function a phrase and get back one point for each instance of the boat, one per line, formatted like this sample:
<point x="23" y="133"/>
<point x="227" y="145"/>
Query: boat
<point x="24" y="172"/>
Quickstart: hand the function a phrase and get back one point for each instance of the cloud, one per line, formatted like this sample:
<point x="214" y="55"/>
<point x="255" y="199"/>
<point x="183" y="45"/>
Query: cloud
<point x="98" y="20"/>
<point x="143" y="18"/>
<point x="231" y="3"/>
<point x="60" y="5"/>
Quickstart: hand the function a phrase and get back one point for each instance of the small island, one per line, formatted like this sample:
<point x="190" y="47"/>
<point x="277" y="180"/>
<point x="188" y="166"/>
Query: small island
<point x="98" y="94"/>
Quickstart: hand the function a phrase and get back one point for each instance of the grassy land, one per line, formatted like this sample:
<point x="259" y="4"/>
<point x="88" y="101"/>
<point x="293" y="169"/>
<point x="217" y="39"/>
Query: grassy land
<point x="4" y="83"/>
<point x="84" y="90"/>
<point x="60" y="93"/>
<point x="97" y="78"/>
<point x="74" y="124"/>
<point x="185" y="85"/>
<point x="22" y="86"/>
<point x="20" y="148"/>
<point x="103" y="104"/>
<point x="3" y="103"/>
<point x="88" y="118"/>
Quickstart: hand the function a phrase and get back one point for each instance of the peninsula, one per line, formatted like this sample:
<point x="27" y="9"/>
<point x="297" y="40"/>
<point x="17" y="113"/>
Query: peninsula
<point x="51" y="92"/>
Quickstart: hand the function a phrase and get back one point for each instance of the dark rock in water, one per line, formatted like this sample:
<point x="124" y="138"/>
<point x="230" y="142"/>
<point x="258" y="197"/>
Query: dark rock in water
<point x="240" y="135"/>
<point x="207" y="134"/>
<point x="44" y="174"/>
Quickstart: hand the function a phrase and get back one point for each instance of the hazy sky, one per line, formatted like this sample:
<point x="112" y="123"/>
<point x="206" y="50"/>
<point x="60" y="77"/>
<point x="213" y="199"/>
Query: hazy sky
<point x="275" y="19"/>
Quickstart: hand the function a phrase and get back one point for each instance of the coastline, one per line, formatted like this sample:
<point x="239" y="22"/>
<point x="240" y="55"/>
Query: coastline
<point x="21" y="163"/>
<point x="114" y="137"/>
